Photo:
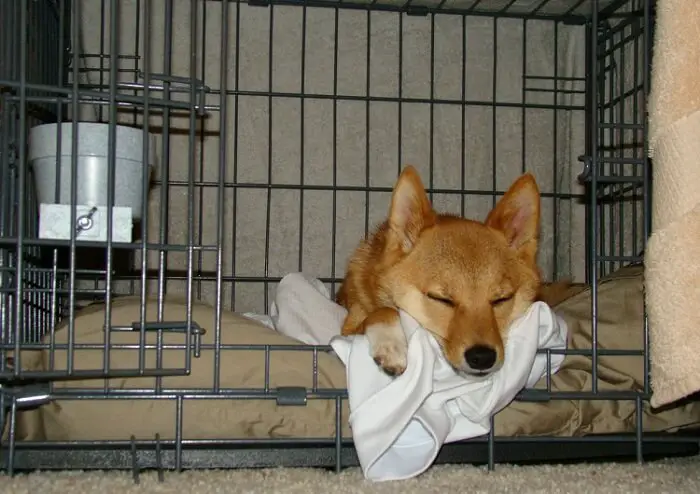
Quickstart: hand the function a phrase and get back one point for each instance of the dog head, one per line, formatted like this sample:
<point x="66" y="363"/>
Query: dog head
<point x="464" y="281"/>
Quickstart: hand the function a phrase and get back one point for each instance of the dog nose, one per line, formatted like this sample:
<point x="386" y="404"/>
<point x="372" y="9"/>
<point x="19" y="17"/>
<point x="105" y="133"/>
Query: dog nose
<point x="480" y="357"/>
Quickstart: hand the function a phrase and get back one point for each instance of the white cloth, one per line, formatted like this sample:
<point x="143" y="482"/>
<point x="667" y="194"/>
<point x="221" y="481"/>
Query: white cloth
<point x="399" y="424"/>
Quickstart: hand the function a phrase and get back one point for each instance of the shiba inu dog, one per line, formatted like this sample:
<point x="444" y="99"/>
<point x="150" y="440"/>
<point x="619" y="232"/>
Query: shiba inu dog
<point x="463" y="280"/>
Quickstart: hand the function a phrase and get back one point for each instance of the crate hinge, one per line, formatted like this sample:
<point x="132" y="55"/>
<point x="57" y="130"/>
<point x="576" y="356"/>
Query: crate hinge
<point x="291" y="396"/>
<point x="586" y="174"/>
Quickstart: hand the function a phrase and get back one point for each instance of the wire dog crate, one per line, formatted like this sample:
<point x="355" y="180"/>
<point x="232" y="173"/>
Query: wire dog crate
<point x="275" y="131"/>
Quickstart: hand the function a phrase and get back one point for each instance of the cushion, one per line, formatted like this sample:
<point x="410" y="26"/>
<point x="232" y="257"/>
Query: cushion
<point x="620" y="298"/>
<point x="215" y="418"/>
<point x="620" y="327"/>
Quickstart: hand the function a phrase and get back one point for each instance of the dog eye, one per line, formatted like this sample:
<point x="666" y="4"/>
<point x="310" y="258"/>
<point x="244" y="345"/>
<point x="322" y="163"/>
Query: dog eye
<point x="440" y="299"/>
<point x="501" y="300"/>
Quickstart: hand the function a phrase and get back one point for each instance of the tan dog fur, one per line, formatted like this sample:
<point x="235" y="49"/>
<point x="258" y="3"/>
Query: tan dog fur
<point x="465" y="281"/>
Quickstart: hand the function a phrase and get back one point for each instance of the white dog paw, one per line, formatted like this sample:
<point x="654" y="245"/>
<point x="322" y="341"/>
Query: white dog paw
<point x="388" y="348"/>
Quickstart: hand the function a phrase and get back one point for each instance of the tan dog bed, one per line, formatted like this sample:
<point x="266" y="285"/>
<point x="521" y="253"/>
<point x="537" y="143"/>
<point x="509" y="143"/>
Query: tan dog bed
<point x="620" y="327"/>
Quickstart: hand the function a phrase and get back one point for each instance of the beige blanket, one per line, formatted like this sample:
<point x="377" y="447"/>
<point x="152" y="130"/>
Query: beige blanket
<point x="620" y="327"/>
<point x="673" y="252"/>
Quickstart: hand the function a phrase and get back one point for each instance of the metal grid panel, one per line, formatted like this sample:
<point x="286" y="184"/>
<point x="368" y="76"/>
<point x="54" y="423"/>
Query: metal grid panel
<point x="117" y="82"/>
<point x="43" y="65"/>
<point x="623" y="189"/>
<point x="537" y="92"/>
<point x="576" y="11"/>
<point x="618" y="169"/>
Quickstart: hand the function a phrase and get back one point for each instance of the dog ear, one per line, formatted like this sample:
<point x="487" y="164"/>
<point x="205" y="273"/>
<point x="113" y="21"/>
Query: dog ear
<point x="517" y="216"/>
<point x="411" y="211"/>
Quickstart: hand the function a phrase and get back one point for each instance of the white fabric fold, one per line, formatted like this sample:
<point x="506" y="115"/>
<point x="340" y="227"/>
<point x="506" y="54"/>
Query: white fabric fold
<point x="399" y="424"/>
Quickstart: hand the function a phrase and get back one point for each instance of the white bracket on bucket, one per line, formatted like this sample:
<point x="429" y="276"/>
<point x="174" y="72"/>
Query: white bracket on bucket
<point x="90" y="223"/>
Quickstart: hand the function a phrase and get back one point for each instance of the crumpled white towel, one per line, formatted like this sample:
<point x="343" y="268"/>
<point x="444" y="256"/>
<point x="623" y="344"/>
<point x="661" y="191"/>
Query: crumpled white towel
<point x="399" y="424"/>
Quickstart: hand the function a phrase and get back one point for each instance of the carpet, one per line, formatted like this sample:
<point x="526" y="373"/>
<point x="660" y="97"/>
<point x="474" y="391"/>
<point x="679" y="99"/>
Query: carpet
<point x="664" y="476"/>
